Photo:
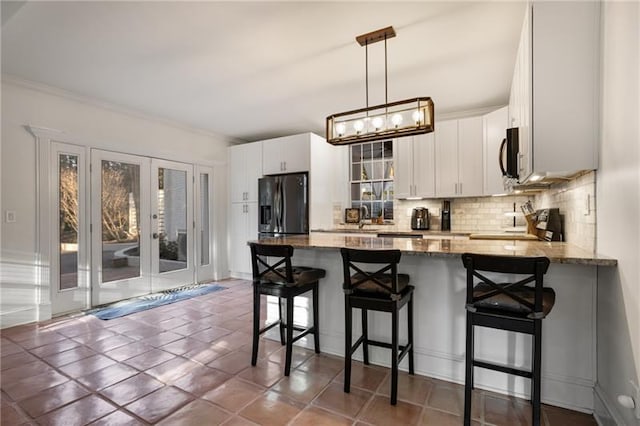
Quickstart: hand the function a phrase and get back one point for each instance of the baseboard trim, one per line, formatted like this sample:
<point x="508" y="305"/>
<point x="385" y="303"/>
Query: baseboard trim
<point x="605" y="411"/>
<point x="561" y="391"/>
<point x="18" y="317"/>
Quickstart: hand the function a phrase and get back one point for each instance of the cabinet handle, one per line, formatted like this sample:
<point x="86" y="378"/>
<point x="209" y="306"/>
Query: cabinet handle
<point x="460" y="188"/>
<point x="284" y="169"/>
<point x="455" y="190"/>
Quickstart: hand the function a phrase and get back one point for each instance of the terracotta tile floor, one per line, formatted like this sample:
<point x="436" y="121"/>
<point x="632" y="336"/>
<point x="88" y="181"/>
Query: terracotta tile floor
<point x="189" y="363"/>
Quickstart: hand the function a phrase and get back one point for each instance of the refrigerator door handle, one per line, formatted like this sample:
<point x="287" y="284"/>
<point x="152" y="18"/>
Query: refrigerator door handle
<point x="277" y="199"/>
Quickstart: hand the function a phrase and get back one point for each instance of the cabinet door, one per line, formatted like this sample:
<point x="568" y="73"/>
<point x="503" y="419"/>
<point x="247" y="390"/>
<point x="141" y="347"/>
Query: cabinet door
<point x="289" y="154"/>
<point x="494" y="126"/>
<point x="238" y="250"/>
<point x="245" y="168"/>
<point x="295" y="154"/>
<point x="446" y="141"/>
<point x="252" y="169"/>
<point x="470" y="170"/>
<point x="403" y="167"/>
<point x="272" y="163"/>
<point x="237" y="174"/>
<point x="243" y="227"/>
<point x="424" y="174"/>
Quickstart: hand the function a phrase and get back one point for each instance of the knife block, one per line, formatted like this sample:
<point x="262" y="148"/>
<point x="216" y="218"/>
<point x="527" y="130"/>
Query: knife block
<point x="531" y="223"/>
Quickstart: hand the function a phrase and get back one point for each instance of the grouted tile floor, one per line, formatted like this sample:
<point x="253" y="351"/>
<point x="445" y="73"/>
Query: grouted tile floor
<point x="188" y="363"/>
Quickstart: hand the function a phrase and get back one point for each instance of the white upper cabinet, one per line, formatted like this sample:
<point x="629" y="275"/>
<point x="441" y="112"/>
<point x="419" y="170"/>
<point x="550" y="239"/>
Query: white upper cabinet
<point x="446" y="134"/>
<point x="289" y="154"/>
<point x="494" y="131"/>
<point x="414" y="171"/>
<point x="555" y="91"/>
<point x="459" y="151"/>
<point x="470" y="170"/>
<point x="245" y="168"/>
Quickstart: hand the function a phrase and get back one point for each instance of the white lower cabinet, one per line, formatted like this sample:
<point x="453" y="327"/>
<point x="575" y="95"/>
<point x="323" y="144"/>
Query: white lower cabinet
<point x="243" y="227"/>
<point x="459" y="149"/>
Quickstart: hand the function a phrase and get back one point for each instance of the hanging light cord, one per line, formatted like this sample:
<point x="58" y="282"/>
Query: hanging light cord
<point x="386" y="95"/>
<point x="366" y="71"/>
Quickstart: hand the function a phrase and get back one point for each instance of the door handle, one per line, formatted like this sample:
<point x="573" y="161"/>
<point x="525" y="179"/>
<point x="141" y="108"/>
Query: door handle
<point x="500" y="156"/>
<point x="155" y="235"/>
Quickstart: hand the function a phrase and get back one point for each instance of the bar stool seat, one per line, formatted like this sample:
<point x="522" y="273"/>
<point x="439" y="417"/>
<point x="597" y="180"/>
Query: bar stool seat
<point x="384" y="290"/>
<point x="511" y="306"/>
<point x="285" y="282"/>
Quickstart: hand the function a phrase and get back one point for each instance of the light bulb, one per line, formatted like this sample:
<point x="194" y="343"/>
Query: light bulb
<point x="358" y="125"/>
<point x="396" y="119"/>
<point x="417" y="116"/>
<point x="377" y="123"/>
<point x="341" y="128"/>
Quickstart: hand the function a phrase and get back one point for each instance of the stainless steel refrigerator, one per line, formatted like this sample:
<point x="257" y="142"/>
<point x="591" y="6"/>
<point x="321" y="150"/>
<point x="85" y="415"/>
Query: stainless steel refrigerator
<point x="284" y="204"/>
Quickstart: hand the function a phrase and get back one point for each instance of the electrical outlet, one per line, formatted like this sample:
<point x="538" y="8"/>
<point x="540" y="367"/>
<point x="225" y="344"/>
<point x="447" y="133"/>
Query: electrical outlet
<point x="587" y="205"/>
<point x="409" y="212"/>
<point x="434" y="212"/>
<point x="10" y="216"/>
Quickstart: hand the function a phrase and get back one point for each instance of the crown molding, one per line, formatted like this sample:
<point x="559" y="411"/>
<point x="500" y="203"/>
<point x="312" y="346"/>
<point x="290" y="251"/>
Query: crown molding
<point x="94" y="102"/>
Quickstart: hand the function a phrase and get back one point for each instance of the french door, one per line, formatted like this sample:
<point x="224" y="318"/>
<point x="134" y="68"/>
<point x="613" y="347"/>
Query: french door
<point x="142" y="225"/>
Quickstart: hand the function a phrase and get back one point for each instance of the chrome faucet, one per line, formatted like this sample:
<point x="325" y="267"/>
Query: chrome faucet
<point x="364" y="212"/>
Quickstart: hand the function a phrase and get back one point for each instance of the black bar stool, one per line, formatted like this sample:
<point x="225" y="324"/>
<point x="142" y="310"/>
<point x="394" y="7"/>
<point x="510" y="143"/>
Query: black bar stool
<point x="384" y="290"/>
<point x="279" y="278"/>
<point x="511" y="306"/>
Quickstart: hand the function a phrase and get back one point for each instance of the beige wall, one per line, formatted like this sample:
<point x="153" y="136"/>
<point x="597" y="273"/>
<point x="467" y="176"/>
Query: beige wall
<point x="618" y="210"/>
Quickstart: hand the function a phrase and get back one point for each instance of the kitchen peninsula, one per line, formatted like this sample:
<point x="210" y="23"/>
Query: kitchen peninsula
<point x="435" y="268"/>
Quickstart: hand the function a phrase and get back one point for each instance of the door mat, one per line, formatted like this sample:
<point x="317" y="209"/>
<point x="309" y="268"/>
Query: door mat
<point x="150" y="301"/>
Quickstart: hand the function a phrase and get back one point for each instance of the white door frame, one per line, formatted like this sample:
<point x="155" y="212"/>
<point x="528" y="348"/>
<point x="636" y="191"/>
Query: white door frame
<point x="46" y="276"/>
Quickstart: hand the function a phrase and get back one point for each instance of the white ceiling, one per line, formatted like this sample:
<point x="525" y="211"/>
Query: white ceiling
<point x="253" y="70"/>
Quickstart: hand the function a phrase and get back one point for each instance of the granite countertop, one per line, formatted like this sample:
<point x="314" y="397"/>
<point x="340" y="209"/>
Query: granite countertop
<point x="381" y="229"/>
<point x="557" y="252"/>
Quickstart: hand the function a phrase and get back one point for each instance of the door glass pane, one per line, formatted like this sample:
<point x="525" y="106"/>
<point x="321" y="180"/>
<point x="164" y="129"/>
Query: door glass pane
<point x="172" y="219"/>
<point x="204" y="215"/>
<point x="69" y="215"/>
<point x="120" y="222"/>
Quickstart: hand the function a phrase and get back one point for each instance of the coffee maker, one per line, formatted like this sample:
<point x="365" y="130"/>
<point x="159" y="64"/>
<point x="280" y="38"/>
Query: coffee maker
<point x="420" y="218"/>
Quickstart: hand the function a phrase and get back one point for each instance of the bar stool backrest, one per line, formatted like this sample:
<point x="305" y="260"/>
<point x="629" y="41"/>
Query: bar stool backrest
<point x="389" y="260"/>
<point x="261" y="265"/>
<point x="533" y="267"/>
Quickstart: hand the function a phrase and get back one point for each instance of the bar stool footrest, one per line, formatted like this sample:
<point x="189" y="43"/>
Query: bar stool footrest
<point x="269" y="327"/>
<point x="502" y="368"/>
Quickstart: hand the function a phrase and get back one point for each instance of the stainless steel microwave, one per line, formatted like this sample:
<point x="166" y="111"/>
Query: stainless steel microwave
<point x="508" y="157"/>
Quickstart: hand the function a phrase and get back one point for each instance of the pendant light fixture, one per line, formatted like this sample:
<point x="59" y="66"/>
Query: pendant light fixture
<point x="389" y="120"/>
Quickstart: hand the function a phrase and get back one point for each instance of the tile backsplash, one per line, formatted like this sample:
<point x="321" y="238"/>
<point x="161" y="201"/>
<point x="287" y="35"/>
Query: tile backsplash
<point x="480" y="214"/>
<point x="574" y="198"/>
